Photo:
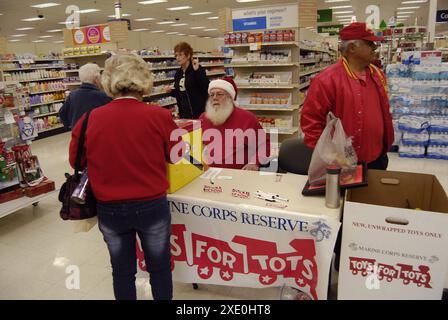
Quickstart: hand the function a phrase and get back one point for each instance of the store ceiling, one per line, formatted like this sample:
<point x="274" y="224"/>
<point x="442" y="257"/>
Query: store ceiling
<point x="12" y="13"/>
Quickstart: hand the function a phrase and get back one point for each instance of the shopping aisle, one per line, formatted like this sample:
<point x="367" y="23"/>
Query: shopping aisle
<point x="36" y="246"/>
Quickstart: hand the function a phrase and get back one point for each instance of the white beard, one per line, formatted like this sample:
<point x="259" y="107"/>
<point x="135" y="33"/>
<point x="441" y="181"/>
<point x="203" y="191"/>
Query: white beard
<point x="219" y="113"/>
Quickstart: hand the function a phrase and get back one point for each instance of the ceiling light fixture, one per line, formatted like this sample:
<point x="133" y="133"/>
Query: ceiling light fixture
<point x="343" y="12"/>
<point x="407" y="8"/>
<point x="195" y="28"/>
<point x="37" y="41"/>
<point x="144" y="19"/>
<point x="54" y="30"/>
<point x="344" y="16"/>
<point x="33" y="19"/>
<point x="210" y="29"/>
<point x="15" y="40"/>
<point x="414" y="1"/>
<point x="23" y="29"/>
<point x="199" y="13"/>
<point x="178" y="8"/>
<point x="142" y="29"/>
<point x="157" y="31"/>
<point x="244" y="1"/>
<point x="331" y="1"/>
<point x="212" y="18"/>
<point x="43" y="37"/>
<point x="152" y="1"/>
<point x="18" y="35"/>
<point x="341" y="7"/>
<point x="165" y="22"/>
<point x="45" y="5"/>
<point x="88" y="10"/>
<point x="174" y="32"/>
<point x="179" y="24"/>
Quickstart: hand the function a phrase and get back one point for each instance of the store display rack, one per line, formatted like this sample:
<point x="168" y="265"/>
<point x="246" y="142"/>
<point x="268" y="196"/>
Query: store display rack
<point x="38" y="73"/>
<point x="277" y="101"/>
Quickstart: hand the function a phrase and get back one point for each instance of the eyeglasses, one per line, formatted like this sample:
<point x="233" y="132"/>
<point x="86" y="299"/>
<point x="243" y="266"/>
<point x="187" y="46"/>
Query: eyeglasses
<point x="217" y="95"/>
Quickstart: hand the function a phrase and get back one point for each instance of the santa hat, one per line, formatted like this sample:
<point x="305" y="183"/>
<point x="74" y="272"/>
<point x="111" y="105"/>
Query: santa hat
<point x="227" y="84"/>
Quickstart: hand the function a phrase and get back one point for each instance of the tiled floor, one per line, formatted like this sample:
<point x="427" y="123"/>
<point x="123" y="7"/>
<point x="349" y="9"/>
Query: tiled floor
<point x="36" y="245"/>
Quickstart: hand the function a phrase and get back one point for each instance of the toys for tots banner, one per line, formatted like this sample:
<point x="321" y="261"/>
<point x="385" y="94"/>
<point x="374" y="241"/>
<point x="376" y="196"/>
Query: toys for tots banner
<point x="249" y="246"/>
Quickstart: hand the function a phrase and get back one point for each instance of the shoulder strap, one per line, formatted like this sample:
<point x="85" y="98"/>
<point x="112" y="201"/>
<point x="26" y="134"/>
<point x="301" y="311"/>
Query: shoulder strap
<point x="81" y="140"/>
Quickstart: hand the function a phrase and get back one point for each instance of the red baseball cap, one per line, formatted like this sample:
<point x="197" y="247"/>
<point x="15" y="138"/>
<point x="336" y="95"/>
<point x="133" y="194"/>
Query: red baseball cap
<point x="358" y="31"/>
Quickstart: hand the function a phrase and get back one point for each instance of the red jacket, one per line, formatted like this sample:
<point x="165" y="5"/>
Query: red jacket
<point x="127" y="146"/>
<point x="248" y="123"/>
<point x="333" y="90"/>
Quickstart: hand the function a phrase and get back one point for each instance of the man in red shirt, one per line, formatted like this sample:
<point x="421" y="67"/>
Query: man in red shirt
<point x="232" y="136"/>
<point x="356" y="92"/>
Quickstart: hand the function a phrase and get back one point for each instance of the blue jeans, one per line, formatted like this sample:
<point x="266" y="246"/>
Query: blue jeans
<point x="151" y="220"/>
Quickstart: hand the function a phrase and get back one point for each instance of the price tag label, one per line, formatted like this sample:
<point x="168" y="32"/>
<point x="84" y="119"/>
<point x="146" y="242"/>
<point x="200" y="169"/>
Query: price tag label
<point x="255" y="46"/>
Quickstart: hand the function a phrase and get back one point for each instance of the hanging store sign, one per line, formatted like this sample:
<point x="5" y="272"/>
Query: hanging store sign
<point x="325" y="15"/>
<point x="332" y="30"/>
<point x="286" y="16"/>
<point x="442" y="16"/>
<point x="91" y="35"/>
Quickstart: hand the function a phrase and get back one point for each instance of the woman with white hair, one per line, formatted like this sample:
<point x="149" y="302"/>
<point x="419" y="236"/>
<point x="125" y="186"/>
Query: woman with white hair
<point x="127" y="146"/>
<point x="86" y="98"/>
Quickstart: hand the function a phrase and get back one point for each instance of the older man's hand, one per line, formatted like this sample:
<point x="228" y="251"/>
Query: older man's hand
<point x="251" y="167"/>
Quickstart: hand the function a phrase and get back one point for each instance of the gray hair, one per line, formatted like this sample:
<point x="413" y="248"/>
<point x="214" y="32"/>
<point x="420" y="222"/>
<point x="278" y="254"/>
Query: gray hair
<point x="89" y="73"/>
<point x="345" y="43"/>
<point x="124" y="73"/>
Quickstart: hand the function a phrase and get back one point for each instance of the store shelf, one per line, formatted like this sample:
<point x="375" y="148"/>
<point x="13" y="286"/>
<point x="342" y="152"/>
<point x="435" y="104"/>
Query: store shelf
<point x="304" y="85"/>
<point x="156" y="94"/>
<point x="51" y="91"/>
<point x="75" y="70"/>
<point x="40" y="80"/>
<point x="312" y="71"/>
<point x="305" y="48"/>
<point x="264" y="44"/>
<point x="209" y="57"/>
<point x="292" y="86"/>
<point x="51" y="129"/>
<point x="256" y="65"/>
<point x="85" y="55"/>
<point x="307" y="61"/>
<point x="28" y="69"/>
<point x="211" y="65"/>
<point x="168" y="104"/>
<point x="165" y="68"/>
<point x="46" y="60"/>
<point x="255" y="107"/>
<point x="215" y="74"/>
<point x="31" y="60"/>
<point x="45" y="114"/>
<point x="73" y="83"/>
<point x="285" y="131"/>
<point x="17" y="204"/>
<point x="164" y="80"/>
<point x="44" y="104"/>
<point x="158" y="57"/>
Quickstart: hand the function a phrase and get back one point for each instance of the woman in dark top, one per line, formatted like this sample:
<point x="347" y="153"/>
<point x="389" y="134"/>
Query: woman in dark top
<point x="190" y="83"/>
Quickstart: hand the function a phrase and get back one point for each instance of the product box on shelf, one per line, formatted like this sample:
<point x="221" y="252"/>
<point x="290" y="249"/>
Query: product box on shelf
<point x="394" y="238"/>
<point x="43" y="187"/>
<point x="11" y="195"/>
<point x="191" y="165"/>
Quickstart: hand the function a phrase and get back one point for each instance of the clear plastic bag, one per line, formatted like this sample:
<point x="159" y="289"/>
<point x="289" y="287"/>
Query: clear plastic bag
<point x="332" y="148"/>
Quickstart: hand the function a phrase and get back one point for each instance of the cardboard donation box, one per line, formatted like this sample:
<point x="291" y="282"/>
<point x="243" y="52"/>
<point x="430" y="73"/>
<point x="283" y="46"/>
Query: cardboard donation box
<point x="394" y="238"/>
<point x="190" y="166"/>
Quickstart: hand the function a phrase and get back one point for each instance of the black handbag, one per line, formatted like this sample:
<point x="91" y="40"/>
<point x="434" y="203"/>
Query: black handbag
<point x="71" y="210"/>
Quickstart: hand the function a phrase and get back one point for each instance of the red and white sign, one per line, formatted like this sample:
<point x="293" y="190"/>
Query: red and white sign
<point x="249" y="246"/>
<point x="431" y="57"/>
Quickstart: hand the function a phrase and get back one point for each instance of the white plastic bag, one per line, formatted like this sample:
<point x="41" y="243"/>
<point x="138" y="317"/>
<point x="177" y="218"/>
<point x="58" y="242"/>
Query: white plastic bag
<point x="333" y="148"/>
